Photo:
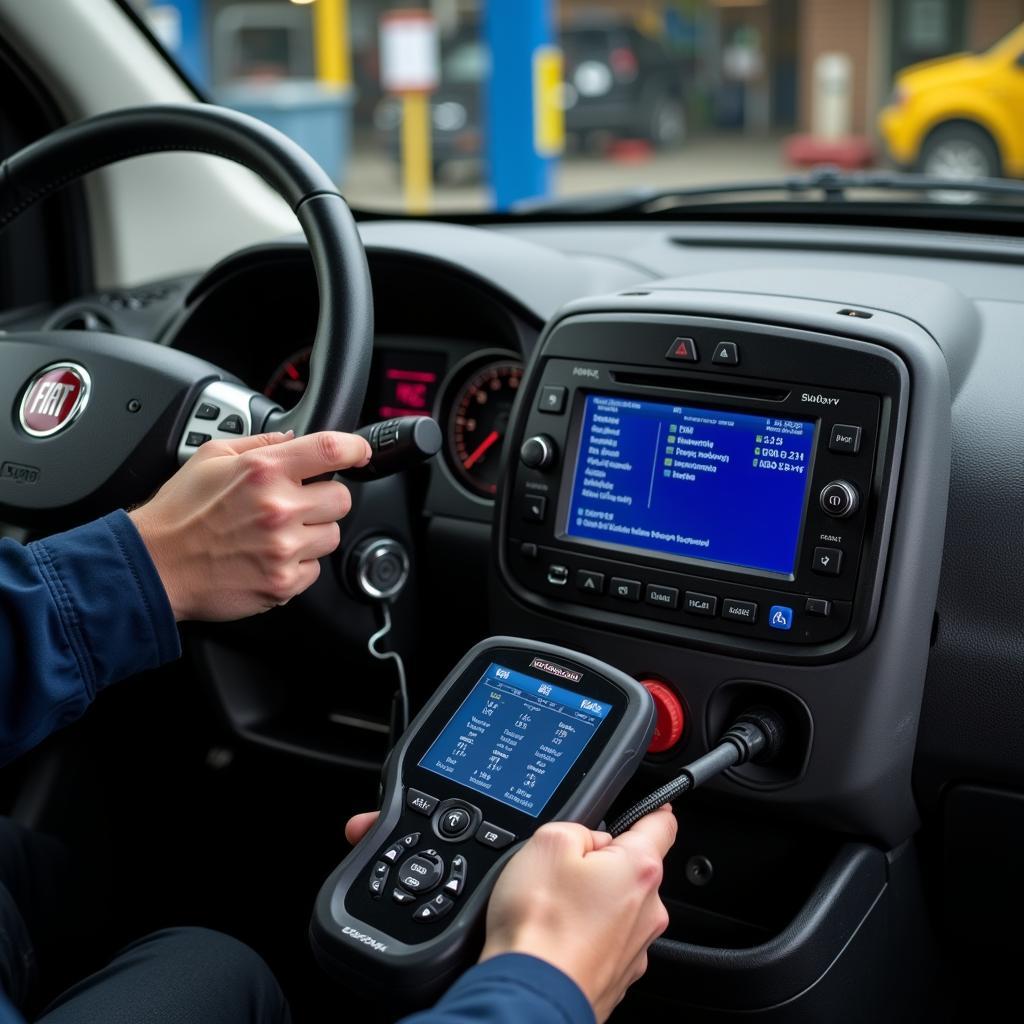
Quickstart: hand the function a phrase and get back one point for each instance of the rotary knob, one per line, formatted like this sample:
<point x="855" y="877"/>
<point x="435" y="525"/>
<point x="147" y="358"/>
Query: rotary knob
<point x="839" y="499"/>
<point x="537" y="452"/>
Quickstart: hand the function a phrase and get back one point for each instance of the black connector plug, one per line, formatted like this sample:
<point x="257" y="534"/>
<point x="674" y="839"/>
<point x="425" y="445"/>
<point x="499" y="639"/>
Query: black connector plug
<point x="757" y="735"/>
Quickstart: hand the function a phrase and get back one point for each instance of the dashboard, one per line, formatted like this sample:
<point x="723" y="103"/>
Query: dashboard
<point x="719" y="457"/>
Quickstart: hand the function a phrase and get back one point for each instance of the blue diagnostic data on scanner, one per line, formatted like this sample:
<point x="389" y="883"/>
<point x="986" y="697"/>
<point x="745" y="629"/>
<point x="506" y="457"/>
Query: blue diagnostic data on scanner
<point x="515" y="738"/>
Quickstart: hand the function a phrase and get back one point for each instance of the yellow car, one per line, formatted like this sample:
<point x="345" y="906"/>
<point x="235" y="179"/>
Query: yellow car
<point x="960" y="116"/>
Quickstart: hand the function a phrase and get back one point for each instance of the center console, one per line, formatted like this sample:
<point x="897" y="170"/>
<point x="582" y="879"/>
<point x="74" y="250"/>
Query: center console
<point x="728" y="485"/>
<point x="738" y="497"/>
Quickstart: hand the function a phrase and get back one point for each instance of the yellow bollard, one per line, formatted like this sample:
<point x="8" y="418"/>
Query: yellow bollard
<point x="333" y="50"/>
<point x="416" y="151"/>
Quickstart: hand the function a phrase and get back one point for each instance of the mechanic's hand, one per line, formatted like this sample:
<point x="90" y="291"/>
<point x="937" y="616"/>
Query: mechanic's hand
<point x="359" y="824"/>
<point x="586" y="903"/>
<point x="234" y="532"/>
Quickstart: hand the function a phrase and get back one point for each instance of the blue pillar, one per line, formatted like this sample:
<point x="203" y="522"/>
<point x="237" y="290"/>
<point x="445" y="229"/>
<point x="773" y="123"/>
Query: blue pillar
<point x="515" y="29"/>
<point x="191" y="50"/>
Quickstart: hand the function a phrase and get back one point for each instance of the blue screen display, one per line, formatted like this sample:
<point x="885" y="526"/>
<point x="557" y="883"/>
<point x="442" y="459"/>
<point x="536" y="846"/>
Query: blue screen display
<point x="515" y="738"/>
<point x="700" y="484"/>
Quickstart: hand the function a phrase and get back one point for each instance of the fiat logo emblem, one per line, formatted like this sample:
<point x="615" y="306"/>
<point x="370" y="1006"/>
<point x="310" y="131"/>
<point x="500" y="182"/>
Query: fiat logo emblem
<point x="54" y="399"/>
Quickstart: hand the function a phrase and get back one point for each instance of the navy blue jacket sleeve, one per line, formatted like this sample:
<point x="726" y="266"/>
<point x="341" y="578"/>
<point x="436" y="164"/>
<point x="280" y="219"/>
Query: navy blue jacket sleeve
<point x="510" y="989"/>
<point x="78" y="611"/>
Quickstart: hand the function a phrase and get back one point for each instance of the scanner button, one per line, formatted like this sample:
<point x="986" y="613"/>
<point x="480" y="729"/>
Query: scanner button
<point x="420" y="873"/>
<point x="378" y="881"/>
<point x="420" y="801"/>
<point x="453" y="822"/>
<point x="494" y="837"/>
<point x="456" y="876"/>
<point x="401" y="896"/>
<point x="437" y="907"/>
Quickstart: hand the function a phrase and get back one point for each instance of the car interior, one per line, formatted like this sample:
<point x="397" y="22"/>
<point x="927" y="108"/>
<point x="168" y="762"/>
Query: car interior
<point x="867" y="557"/>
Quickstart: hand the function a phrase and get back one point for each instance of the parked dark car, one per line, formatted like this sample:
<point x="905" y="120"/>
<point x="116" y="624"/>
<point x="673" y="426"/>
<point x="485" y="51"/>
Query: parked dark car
<point x="619" y="84"/>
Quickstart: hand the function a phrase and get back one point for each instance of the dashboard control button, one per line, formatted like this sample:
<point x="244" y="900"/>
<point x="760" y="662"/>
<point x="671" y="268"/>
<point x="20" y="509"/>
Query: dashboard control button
<point x="700" y="604"/>
<point x="232" y="425"/>
<point x="780" y="617"/>
<point x="590" y="582"/>
<point x="558" y="575"/>
<point x="818" y="606"/>
<point x="726" y="354"/>
<point x="663" y="597"/>
<point x="739" y="611"/>
<point x="420" y="801"/>
<point x="625" y="590"/>
<point x="454" y="821"/>
<point x="420" y="873"/>
<point x="537" y="452"/>
<point x="671" y="720"/>
<point x="827" y="561"/>
<point x="207" y="411"/>
<point x="552" y="399"/>
<point x="534" y="508"/>
<point x="401" y="896"/>
<point x="844" y="439"/>
<point x="528" y="550"/>
<point x="437" y="907"/>
<point x="683" y="350"/>
<point x="839" y="499"/>
<point x="194" y="439"/>
<point x="494" y="837"/>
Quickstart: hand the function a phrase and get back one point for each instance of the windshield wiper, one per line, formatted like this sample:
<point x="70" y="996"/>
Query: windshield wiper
<point x="832" y="184"/>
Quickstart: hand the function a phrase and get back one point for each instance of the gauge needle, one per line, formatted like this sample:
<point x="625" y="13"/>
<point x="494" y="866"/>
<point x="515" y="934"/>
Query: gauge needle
<point x="291" y="371"/>
<point x="478" y="452"/>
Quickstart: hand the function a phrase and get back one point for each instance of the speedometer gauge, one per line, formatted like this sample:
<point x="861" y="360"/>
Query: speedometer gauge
<point x="478" y="424"/>
<point x="288" y="383"/>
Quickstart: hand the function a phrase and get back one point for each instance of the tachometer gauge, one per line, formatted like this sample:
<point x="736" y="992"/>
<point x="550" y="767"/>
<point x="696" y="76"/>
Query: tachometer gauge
<point x="478" y="423"/>
<point x="289" y="380"/>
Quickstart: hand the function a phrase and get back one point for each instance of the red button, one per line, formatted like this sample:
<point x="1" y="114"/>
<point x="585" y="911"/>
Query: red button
<point x="668" y="729"/>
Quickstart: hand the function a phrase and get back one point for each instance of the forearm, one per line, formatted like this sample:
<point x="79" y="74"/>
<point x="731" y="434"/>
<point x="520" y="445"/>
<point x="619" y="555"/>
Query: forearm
<point x="78" y="611"/>
<point x="510" y="989"/>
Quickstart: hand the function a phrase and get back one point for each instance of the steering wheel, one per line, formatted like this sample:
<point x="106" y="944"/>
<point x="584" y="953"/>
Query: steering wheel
<point x="91" y="420"/>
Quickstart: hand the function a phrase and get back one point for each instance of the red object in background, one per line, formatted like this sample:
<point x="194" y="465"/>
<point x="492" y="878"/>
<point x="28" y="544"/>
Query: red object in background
<point x="671" y="721"/>
<point x="851" y="153"/>
<point x="630" y="151"/>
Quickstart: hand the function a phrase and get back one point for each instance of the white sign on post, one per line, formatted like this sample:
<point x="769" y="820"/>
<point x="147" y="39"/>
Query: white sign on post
<point x="409" y="54"/>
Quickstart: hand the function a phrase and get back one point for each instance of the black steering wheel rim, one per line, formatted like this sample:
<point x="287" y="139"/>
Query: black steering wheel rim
<point x="343" y="345"/>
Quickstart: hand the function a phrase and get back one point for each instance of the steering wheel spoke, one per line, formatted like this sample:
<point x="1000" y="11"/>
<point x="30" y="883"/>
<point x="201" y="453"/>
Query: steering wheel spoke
<point x="90" y="421"/>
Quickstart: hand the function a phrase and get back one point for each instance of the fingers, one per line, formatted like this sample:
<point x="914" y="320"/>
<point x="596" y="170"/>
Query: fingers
<point x="318" y="541"/>
<point x="325" y="452"/>
<point x="655" y="831"/>
<point x="565" y="838"/>
<point x="239" y="445"/>
<point x="602" y="840"/>
<point x="326" y="501"/>
<point x="359" y="824"/>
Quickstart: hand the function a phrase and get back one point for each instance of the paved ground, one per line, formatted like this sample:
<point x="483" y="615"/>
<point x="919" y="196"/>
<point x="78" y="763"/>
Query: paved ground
<point x="373" y="180"/>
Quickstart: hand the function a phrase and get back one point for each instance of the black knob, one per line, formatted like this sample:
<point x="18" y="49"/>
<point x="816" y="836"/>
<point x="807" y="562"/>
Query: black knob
<point x="839" y="499"/>
<point x="537" y="452"/>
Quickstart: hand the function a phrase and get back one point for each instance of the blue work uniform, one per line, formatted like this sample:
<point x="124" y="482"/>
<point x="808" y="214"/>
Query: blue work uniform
<point x="83" y="609"/>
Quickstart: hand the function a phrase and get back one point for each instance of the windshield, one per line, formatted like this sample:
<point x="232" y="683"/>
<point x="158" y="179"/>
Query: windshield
<point x="475" y="105"/>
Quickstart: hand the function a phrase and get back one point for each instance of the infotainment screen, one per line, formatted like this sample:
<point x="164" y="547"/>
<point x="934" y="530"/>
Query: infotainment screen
<point x="705" y="485"/>
<point x="515" y="738"/>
